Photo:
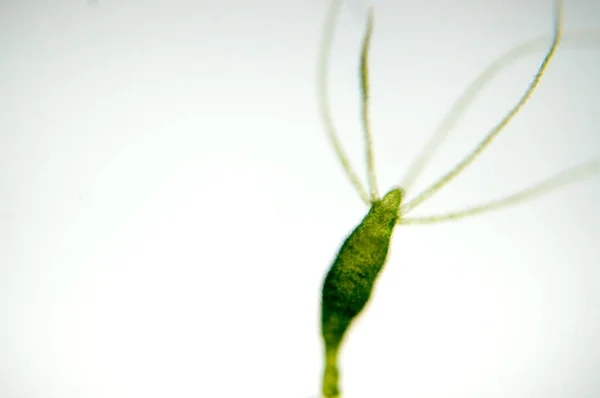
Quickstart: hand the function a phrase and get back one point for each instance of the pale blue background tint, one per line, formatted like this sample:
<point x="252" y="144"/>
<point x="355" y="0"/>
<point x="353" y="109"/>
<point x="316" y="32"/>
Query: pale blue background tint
<point x="169" y="203"/>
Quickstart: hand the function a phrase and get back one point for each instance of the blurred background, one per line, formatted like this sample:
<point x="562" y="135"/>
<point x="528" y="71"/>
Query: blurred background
<point x="169" y="203"/>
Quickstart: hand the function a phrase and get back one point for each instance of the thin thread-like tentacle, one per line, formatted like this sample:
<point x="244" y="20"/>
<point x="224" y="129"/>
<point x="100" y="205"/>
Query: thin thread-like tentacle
<point x="426" y="194"/>
<point x="323" y="99"/>
<point x="364" y="79"/>
<point x="559" y="180"/>
<point x="470" y="94"/>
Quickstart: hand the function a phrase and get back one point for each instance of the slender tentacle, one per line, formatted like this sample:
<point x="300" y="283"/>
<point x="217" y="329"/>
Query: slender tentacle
<point x="364" y="79"/>
<point x="323" y="99"/>
<point x="470" y="94"/>
<point x="466" y="161"/>
<point x="557" y="181"/>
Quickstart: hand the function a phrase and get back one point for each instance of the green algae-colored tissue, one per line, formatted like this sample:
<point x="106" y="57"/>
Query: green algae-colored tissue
<point x="351" y="278"/>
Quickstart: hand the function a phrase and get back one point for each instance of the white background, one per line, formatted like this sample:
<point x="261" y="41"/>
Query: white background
<point x="169" y="203"/>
